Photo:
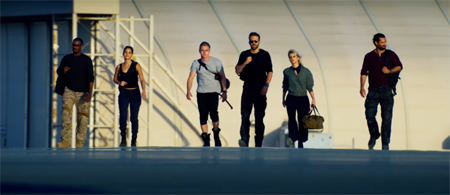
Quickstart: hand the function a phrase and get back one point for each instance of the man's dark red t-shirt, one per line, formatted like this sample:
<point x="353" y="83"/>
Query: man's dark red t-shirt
<point x="373" y="64"/>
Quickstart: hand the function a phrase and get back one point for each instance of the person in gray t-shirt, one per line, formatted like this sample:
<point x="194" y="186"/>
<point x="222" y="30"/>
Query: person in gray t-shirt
<point x="208" y="91"/>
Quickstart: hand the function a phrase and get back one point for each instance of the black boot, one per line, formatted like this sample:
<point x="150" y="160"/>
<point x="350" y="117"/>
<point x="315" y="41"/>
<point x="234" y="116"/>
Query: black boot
<point x="133" y="140"/>
<point x="123" y="143"/>
<point x="205" y="138"/>
<point x="217" y="138"/>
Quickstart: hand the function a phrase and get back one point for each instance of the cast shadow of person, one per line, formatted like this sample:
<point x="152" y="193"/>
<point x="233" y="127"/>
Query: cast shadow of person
<point x="446" y="144"/>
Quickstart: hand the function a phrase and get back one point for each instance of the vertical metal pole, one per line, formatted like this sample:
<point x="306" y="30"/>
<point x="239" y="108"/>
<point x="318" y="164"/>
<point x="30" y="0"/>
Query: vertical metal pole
<point x="130" y="39"/>
<point x="116" y="90"/>
<point x="150" y="72"/>
<point x="96" y="84"/>
<point x="55" y="96"/>
<point x="74" y="108"/>
<point x="91" y="104"/>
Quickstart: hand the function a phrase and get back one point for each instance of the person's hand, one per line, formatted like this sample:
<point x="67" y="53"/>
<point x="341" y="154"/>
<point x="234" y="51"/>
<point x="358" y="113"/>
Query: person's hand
<point x="144" y="95"/>
<point x="188" y="95"/>
<point x="385" y="70"/>
<point x="123" y="83"/>
<point x="249" y="59"/>
<point x="313" y="103"/>
<point x="362" y="92"/>
<point x="88" y="97"/>
<point x="264" y="90"/>
<point x="284" y="103"/>
<point x="66" y="68"/>
<point x="224" y="97"/>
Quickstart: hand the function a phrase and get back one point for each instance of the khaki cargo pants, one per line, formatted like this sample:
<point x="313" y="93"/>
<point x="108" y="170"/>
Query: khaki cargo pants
<point x="69" y="99"/>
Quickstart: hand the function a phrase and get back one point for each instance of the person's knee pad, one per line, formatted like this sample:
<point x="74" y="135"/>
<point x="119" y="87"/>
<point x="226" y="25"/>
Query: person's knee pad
<point x="66" y="113"/>
<point x="83" y="118"/>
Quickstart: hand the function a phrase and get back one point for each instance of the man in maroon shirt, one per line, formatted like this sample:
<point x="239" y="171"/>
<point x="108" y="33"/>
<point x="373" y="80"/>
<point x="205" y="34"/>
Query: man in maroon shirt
<point x="380" y="91"/>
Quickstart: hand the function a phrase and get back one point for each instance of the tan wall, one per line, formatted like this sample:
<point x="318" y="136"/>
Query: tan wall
<point x="342" y="34"/>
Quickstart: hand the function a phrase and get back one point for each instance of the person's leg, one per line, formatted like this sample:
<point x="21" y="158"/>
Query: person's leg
<point x="371" y="106"/>
<point x="66" y="118"/>
<point x="124" y="101"/>
<point x="246" y="110"/>
<point x="303" y="108"/>
<point x="292" y="123"/>
<point x="135" y="104"/>
<point x="387" y="105"/>
<point x="260" y="112"/>
<point x="203" y="115"/>
<point x="213" y="105"/>
<point x="82" y="116"/>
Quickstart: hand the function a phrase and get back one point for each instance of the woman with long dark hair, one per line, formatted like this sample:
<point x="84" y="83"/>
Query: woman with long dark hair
<point x="127" y="75"/>
<point x="297" y="80"/>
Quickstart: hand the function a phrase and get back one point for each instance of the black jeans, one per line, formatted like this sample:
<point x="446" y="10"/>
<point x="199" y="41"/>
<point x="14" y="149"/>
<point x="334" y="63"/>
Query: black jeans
<point x="252" y="97"/>
<point x="297" y="105"/>
<point x="208" y="104"/>
<point x="132" y="98"/>
<point x="385" y="98"/>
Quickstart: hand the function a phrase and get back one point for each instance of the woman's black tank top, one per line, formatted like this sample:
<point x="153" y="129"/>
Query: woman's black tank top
<point x="131" y="76"/>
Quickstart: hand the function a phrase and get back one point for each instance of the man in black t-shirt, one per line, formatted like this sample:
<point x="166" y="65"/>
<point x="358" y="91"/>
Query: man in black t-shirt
<point x="255" y="69"/>
<point x="77" y="72"/>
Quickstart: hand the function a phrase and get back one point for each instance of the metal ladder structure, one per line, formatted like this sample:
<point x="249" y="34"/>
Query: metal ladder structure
<point x="98" y="55"/>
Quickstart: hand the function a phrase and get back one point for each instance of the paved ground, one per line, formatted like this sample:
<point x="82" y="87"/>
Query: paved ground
<point x="223" y="171"/>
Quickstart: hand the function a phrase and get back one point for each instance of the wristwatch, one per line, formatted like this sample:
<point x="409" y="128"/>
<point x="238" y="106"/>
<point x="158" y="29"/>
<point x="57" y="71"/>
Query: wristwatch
<point x="224" y="91"/>
<point x="390" y="71"/>
<point x="267" y="84"/>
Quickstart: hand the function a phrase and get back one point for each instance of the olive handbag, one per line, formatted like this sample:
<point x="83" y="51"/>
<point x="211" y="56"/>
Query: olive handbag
<point x="313" y="120"/>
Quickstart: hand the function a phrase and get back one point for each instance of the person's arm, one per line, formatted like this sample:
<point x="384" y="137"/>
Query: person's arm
<point x="116" y="75"/>
<point x="266" y="87"/>
<point x="309" y="87"/>
<point x="269" y="71"/>
<point x="90" y="74"/>
<point x="364" y="73"/>
<point x="62" y="67"/>
<point x="394" y="70"/>
<point x="313" y="102"/>
<point x="396" y="64"/>
<point x="223" y="81"/>
<point x="241" y="67"/>
<point x="141" y="77"/>
<point x="285" y="87"/>
<point x="189" y="84"/>
<point x="362" y="91"/>
<point x="91" y="86"/>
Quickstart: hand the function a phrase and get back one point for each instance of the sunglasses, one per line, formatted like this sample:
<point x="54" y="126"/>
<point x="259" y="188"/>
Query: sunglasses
<point x="253" y="41"/>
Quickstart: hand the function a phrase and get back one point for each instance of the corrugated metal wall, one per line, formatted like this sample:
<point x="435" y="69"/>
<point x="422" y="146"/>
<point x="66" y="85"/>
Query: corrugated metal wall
<point x="26" y="76"/>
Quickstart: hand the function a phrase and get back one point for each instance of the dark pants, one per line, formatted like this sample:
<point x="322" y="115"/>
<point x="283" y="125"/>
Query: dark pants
<point x="385" y="98"/>
<point x="132" y="98"/>
<point x="297" y="105"/>
<point x="208" y="104"/>
<point x="252" y="97"/>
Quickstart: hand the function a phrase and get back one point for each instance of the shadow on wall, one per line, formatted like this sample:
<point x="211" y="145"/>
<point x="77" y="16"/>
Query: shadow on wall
<point x="446" y="144"/>
<point x="273" y="139"/>
<point x="174" y="109"/>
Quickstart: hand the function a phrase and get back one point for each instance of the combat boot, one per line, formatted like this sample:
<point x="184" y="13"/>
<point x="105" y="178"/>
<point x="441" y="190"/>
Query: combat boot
<point x="63" y="144"/>
<point x="217" y="141"/>
<point x="79" y="144"/>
